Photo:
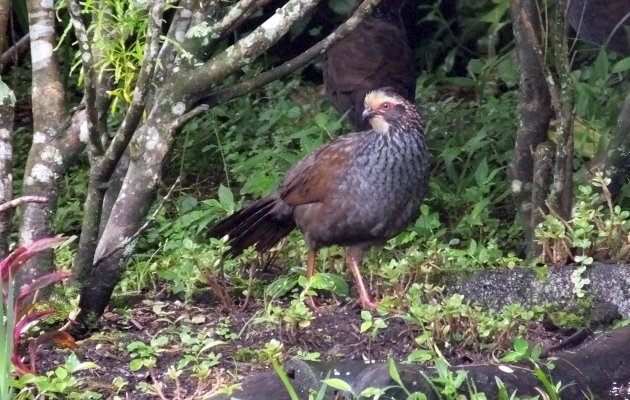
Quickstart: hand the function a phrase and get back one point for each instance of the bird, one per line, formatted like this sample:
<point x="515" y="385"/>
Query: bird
<point x="602" y="22"/>
<point x="358" y="190"/>
<point x="375" y="54"/>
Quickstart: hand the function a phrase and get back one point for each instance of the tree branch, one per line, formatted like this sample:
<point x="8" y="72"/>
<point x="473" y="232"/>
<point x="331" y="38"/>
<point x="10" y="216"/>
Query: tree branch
<point x="87" y="61"/>
<point x="22" y="200"/>
<point x="137" y="106"/>
<point x="140" y="230"/>
<point x="236" y="14"/>
<point x="13" y="53"/>
<point x="241" y="88"/>
<point x="176" y="35"/>
<point x="202" y="79"/>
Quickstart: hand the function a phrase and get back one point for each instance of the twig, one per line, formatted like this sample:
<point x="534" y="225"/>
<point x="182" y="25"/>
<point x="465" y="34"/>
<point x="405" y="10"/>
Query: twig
<point x="156" y="384"/>
<point x="181" y="120"/>
<point x="22" y="200"/>
<point x="140" y="230"/>
<point x="232" y="17"/>
<point x="12" y="55"/>
<point x="137" y="324"/>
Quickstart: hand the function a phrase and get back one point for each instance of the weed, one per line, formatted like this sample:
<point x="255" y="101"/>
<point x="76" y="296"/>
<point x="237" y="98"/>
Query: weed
<point x="371" y="324"/>
<point x="598" y="229"/>
<point x="452" y="321"/>
<point x="224" y="330"/>
<point x="145" y="355"/>
<point x="60" y="383"/>
<point x="20" y="312"/>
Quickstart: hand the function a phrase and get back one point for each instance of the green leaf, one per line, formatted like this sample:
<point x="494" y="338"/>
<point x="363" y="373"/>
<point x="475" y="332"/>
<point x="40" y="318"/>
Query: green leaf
<point x="281" y="286"/>
<point x="332" y="282"/>
<point x="136" y="364"/>
<point x="61" y="373"/>
<point x="159" y="341"/>
<point x="226" y="198"/>
<point x="393" y="371"/>
<point x="338" y="384"/>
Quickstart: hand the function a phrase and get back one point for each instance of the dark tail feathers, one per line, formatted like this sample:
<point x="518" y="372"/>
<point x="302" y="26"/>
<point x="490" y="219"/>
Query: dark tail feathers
<point x="255" y="225"/>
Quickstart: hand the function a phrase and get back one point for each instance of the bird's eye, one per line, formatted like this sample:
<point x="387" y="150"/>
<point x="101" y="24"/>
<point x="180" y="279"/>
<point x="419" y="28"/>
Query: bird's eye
<point x="385" y="106"/>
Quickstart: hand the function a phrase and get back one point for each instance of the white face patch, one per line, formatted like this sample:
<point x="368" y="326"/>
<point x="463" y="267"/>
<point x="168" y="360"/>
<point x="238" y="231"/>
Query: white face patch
<point x="375" y="101"/>
<point x="379" y="124"/>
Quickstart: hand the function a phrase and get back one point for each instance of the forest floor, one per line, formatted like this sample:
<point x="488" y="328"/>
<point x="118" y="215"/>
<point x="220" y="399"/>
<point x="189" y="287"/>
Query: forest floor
<point x="230" y="342"/>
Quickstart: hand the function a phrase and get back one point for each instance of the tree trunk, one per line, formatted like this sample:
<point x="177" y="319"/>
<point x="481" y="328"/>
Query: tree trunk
<point x="137" y="195"/>
<point x="534" y="111"/>
<point x="617" y="162"/>
<point x="52" y="148"/>
<point x="561" y="196"/>
<point x="7" y="104"/>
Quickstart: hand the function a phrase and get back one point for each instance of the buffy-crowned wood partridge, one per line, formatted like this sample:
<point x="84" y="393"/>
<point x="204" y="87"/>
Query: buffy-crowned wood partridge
<point x="376" y="54"/>
<point x="359" y="189"/>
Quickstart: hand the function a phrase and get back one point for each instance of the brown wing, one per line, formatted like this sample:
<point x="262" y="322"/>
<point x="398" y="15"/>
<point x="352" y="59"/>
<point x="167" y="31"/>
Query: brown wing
<point x="312" y="179"/>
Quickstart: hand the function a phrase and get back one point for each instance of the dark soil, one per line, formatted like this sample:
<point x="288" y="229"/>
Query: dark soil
<point x="334" y="333"/>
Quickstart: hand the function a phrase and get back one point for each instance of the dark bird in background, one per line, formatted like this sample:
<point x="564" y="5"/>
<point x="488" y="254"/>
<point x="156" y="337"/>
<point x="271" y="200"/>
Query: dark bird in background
<point x="358" y="190"/>
<point x="603" y="22"/>
<point x="376" y="54"/>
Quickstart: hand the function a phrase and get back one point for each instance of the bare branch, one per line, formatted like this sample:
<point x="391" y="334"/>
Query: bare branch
<point x="87" y="60"/>
<point x="202" y="79"/>
<point x="178" y="122"/>
<point x="563" y="168"/>
<point x="5" y="12"/>
<point x="236" y="13"/>
<point x="549" y="78"/>
<point x="300" y="61"/>
<point x="7" y="113"/>
<point x="13" y="54"/>
<point x="248" y="13"/>
<point x="22" y="200"/>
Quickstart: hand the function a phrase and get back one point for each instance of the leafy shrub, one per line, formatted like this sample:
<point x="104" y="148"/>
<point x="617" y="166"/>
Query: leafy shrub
<point x="19" y="313"/>
<point x="598" y="229"/>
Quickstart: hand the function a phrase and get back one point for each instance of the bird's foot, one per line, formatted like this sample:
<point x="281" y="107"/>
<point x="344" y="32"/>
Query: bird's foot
<point x="368" y="304"/>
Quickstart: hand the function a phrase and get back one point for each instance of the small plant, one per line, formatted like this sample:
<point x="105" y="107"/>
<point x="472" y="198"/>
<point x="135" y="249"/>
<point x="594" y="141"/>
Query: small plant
<point x="579" y="281"/>
<point x="19" y="312"/>
<point x="272" y="353"/>
<point x="371" y="324"/>
<point x="597" y="230"/>
<point x="446" y="383"/>
<point x="145" y="355"/>
<point x="224" y="330"/>
<point x="197" y="357"/>
<point x="522" y="351"/>
<point x="453" y="321"/>
<point x="59" y="383"/>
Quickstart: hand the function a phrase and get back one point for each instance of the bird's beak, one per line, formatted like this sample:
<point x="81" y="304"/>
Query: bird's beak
<point x="368" y="113"/>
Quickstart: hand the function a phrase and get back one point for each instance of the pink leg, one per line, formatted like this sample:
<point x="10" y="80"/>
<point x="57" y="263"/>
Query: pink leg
<point x="353" y="261"/>
<point x="310" y="267"/>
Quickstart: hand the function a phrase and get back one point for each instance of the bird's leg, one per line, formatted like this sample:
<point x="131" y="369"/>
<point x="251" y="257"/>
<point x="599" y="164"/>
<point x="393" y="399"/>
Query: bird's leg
<point x="353" y="261"/>
<point x="310" y="267"/>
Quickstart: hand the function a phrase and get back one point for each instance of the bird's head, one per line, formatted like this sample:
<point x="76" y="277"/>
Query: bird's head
<point x="383" y="107"/>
